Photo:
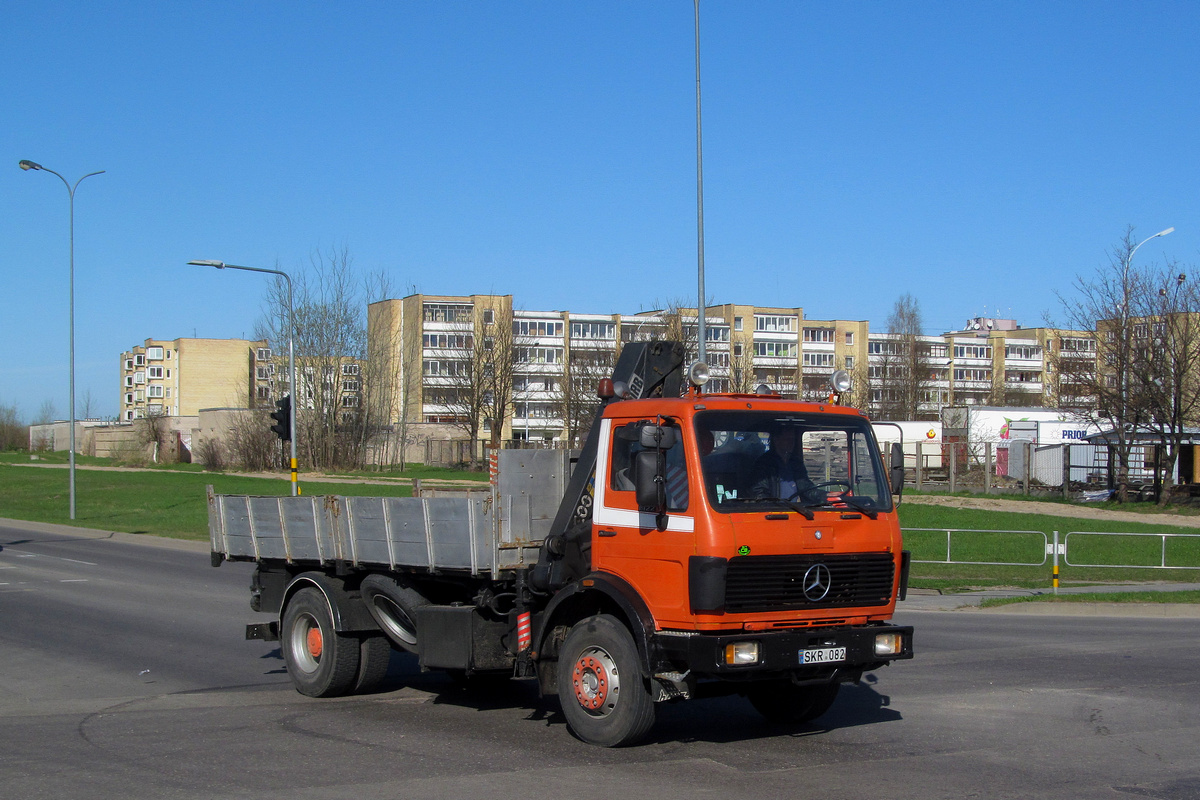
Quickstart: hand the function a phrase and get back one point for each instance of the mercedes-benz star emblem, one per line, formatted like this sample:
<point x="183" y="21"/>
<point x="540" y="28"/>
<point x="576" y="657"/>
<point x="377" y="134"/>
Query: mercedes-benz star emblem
<point x="816" y="583"/>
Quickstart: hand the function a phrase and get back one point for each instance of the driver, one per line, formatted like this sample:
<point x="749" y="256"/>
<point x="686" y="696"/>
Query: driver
<point x="779" y="472"/>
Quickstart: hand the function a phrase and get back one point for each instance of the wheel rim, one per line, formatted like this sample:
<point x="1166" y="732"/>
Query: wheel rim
<point x="395" y="621"/>
<point x="307" y="643"/>
<point x="596" y="682"/>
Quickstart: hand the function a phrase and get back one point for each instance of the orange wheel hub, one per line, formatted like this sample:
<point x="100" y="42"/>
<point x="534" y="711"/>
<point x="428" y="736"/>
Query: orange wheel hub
<point x="591" y="681"/>
<point x="315" y="642"/>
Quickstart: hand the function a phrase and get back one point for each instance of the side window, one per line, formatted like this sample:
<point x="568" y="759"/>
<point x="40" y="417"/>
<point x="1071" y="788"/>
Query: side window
<point x="626" y="446"/>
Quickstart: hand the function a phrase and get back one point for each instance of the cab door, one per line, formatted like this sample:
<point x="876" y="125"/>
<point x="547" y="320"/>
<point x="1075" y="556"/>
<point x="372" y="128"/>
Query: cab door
<point x="626" y="541"/>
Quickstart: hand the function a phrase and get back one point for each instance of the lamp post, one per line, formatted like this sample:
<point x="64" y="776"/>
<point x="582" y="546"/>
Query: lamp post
<point x="1126" y="346"/>
<point x="701" y="311"/>
<point x="28" y="165"/>
<point x="291" y="352"/>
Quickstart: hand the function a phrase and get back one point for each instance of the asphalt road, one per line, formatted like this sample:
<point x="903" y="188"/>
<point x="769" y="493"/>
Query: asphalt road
<point x="124" y="674"/>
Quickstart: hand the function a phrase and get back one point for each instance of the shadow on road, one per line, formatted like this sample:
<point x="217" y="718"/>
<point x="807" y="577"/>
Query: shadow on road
<point x="715" y="720"/>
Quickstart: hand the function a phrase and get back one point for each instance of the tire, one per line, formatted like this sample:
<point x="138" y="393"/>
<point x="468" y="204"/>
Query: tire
<point x="375" y="655"/>
<point x="784" y="702"/>
<point x="603" y="694"/>
<point x="394" y="606"/>
<point x="320" y="662"/>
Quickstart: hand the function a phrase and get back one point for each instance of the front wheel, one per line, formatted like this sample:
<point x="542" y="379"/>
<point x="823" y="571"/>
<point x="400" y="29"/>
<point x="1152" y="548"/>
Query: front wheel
<point x="784" y="702"/>
<point x="320" y="662"/>
<point x="604" y="697"/>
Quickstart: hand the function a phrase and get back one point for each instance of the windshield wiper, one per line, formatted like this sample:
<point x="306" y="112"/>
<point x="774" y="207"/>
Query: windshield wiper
<point x="859" y="505"/>
<point x="807" y="513"/>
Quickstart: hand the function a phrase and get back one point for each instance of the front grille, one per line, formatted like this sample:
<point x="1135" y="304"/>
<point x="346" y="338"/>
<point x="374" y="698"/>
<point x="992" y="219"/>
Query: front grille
<point x="776" y="583"/>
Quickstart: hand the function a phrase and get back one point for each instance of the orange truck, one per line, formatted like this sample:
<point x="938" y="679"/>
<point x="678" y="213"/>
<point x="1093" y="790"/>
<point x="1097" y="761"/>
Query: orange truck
<point x="699" y="544"/>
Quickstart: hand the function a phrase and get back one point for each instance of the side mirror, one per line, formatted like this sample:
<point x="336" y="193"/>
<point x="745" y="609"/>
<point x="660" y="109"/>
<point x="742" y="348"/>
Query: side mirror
<point x="897" y="471"/>
<point x="658" y="437"/>
<point x="650" y="486"/>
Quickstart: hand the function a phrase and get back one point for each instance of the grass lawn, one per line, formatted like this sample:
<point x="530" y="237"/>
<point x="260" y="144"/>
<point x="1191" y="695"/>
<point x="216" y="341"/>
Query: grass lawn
<point x="1029" y="548"/>
<point x="164" y="503"/>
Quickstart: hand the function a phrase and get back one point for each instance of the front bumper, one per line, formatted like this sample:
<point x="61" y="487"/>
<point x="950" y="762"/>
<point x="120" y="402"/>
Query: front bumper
<point x="780" y="652"/>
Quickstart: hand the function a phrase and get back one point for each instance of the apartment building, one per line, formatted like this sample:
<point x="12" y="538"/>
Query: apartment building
<point x="560" y="355"/>
<point x="990" y="362"/>
<point x="178" y="377"/>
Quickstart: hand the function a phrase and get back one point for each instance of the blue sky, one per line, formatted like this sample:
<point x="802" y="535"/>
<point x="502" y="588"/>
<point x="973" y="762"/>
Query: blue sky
<point x="976" y="155"/>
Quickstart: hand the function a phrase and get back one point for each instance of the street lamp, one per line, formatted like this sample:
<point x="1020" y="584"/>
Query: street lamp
<point x="1126" y="345"/>
<point x="291" y="352"/>
<point x="28" y="165"/>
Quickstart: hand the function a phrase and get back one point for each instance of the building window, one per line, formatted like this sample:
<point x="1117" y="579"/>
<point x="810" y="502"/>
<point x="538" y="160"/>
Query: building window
<point x="593" y="330"/>
<point x="262" y="373"/>
<point x="539" y="355"/>
<point x="972" y="351"/>
<point x="849" y="362"/>
<point x="139" y="360"/>
<point x="168" y="355"/>
<point x="351" y="386"/>
<point x="777" y="349"/>
<point x="447" y="341"/>
<point x="774" y="324"/>
<point x="350" y="401"/>
<point x="737" y="348"/>
<point x="349" y="369"/>
<point x="737" y="323"/>
<point x="263" y="354"/>
<point x="1022" y="351"/>
<point x="489" y="316"/>
<point x="154" y="391"/>
<point x="155" y="372"/>
<point x="129" y="363"/>
<point x="849" y="337"/>
<point x="531" y="327"/>
<point x="139" y="377"/>
<point x="818" y="335"/>
<point x="129" y="380"/>
<point x="445" y="312"/>
<point x="154" y="353"/>
<point x="262" y="392"/>
<point x="129" y="398"/>
<point x="818" y="359"/>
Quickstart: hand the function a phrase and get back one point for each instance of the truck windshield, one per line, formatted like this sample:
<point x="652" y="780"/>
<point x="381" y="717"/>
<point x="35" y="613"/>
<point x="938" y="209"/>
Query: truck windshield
<point x="770" y="460"/>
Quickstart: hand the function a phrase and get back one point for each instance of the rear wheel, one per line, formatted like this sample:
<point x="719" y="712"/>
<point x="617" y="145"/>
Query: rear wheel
<point x="604" y="697"/>
<point x="375" y="655"/>
<point x="784" y="702"/>
<point x="320" y="662"/>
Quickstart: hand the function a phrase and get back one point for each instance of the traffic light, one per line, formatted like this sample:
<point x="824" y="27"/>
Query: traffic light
<point x="282" y="427"/>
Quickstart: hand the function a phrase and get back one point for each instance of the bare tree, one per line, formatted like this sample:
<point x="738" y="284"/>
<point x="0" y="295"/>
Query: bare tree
<point x="1104" y="305"/>
<point x="1165" y="368"/>
<point x="46" y="413"/>
<point x="13" y="434"/>
<point x="575" y="396"/>
<point x="338" y="407"/>
<point x="86" y="404"/>
<point x="903" y="366"/>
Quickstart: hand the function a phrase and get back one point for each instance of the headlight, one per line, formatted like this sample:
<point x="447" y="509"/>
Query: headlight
<point x="740" y="653"/>
<point x="889" y="644"/>
<point x="698" y="374"/>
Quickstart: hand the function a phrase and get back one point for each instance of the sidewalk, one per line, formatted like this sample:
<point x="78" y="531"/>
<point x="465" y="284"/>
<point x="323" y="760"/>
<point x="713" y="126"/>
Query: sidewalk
<point x="932" y="600"/>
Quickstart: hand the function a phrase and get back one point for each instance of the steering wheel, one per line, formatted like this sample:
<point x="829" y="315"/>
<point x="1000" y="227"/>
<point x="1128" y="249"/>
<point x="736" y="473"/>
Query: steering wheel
<point x="847" y="486"/>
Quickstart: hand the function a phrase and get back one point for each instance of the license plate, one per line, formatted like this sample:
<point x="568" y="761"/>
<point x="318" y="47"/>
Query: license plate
<point x="823" y="655"/>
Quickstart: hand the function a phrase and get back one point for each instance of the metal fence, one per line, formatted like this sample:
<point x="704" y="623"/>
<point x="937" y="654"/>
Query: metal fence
<point x="963" y="546"/>
<point x="1026" y="467"/>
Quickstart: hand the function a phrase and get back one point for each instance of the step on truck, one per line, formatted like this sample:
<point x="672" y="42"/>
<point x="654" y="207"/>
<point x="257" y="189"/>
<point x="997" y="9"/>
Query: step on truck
<point x="699" y="544"/>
